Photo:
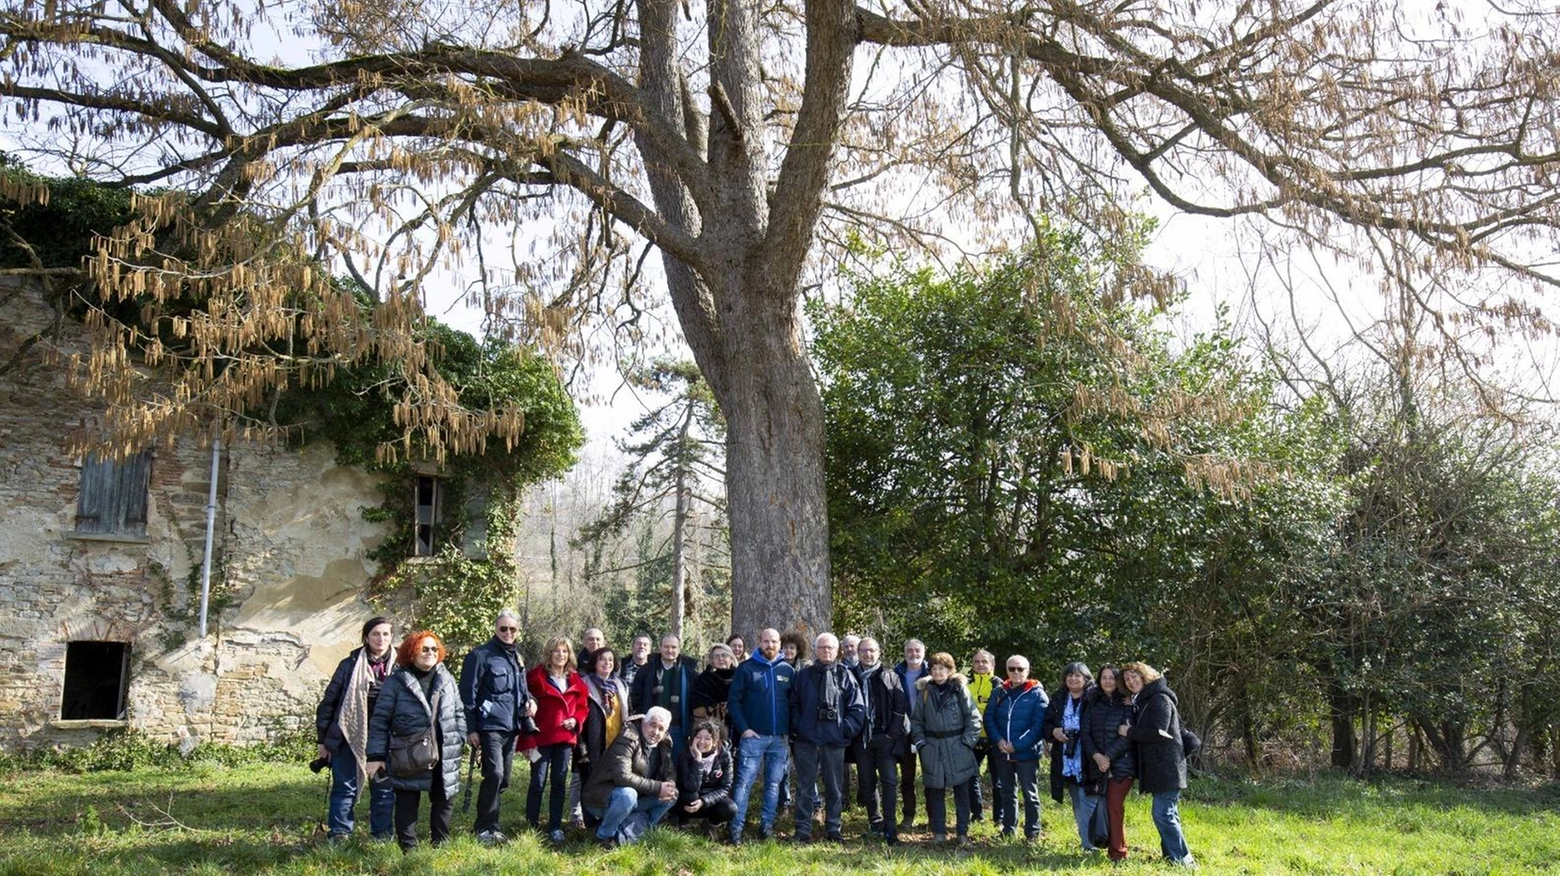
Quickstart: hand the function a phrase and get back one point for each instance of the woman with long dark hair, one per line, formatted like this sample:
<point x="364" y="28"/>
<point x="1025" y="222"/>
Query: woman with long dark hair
<point x="705" y="775"/>
<point x="1110" y="764"/>
<point x="420" y="695"/>
<point x="561" y="710"/>
<point x="1063" y="727"/>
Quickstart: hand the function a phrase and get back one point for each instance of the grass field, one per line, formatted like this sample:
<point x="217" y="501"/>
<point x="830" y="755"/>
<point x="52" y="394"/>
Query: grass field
<point x="211" y="818"/>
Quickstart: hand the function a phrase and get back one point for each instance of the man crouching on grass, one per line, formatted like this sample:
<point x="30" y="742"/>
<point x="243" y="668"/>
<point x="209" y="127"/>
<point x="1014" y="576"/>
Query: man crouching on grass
<point x="635" y="784"/>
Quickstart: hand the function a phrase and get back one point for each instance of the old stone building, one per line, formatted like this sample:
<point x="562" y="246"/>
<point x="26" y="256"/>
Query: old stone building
<point x="100" y="561"/>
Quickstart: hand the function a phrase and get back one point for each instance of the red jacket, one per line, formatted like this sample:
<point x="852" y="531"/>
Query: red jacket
<point x="553" y="706"/>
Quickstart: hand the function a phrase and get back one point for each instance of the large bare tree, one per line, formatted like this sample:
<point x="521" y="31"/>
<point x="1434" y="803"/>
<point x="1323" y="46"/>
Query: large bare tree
<point x="745" y="143"/>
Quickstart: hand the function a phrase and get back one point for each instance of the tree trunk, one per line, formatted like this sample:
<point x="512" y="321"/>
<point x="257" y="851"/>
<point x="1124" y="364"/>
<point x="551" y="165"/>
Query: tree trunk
<point x="1342" y="708"/>
<point x="774" y="467"/>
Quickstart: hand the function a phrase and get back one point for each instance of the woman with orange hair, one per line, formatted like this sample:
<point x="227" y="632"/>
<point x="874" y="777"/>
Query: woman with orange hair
<point x="421" y="695"/>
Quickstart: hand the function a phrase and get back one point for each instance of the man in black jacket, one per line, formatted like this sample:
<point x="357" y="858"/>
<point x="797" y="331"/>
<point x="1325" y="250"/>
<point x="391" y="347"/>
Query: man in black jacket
<point x="667" y="682"/>
<point x="498" y="706"/>
<point x="884" y="738"/>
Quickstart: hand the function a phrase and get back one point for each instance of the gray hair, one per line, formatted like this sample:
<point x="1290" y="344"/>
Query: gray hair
<point x="509" y="613"/>
<point x="659" y="715"/>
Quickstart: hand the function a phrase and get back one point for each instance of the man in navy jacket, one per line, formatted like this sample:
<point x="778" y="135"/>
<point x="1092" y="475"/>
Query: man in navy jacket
<point x="828" y="712"/>
<point x="493" y="691"/>
<point x="760" y="708"/>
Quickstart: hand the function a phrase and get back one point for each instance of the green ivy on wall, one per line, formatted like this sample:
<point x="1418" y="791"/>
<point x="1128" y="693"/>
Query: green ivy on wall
<point x="451" y="592"/>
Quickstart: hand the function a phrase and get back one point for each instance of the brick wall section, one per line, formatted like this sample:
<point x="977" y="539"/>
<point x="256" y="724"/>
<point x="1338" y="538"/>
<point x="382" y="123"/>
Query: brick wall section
<point x="289" y="532"/>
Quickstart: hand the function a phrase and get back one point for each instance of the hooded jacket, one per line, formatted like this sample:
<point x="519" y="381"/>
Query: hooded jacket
<point x="944" y="728"/>
<point x="760" y="698"/>
<point x="1016" y="714"/>
<point x="1161" y="759"/>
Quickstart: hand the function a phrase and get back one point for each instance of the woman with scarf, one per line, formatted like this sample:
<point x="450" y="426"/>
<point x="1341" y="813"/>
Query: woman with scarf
<point x="422" y="694"/>
<point x="1062" y="729"/>
<point x="341" y="725"/>
<point x="713" y="685"/>
<point x="943" y="729"/>
<point x="606" y="703"/>
<point x="560" y="711"/>
<point x="1109" y="758"/>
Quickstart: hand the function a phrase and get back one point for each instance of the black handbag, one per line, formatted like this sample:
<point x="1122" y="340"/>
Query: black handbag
<point x="414" y="754"/>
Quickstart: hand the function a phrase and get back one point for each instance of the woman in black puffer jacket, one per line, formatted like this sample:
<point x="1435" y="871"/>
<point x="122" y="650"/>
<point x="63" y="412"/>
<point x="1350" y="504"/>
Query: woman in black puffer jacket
<point x="705" y="775"/>
<point x="421" y="694"/>
<point x="1109" y="758"/>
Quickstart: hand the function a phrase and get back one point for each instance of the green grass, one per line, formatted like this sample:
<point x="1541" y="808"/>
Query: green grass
<point x="215" y="818"/>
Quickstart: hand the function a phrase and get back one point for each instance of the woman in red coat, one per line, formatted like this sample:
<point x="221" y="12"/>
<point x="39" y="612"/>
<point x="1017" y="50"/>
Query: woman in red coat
<point x="561" y="707"/>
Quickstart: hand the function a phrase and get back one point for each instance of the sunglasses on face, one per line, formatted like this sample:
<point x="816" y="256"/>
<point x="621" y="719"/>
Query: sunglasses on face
<point x="430" y="649"/>
<point x="509" y="629"/>
<point x="1018" y="669"/>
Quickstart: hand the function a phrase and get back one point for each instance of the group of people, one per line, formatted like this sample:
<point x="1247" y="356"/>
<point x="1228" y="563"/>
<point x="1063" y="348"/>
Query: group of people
<point x="621" y="744"/>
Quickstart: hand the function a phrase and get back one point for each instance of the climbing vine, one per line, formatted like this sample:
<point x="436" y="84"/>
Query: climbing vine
<point x="484" y="417"/>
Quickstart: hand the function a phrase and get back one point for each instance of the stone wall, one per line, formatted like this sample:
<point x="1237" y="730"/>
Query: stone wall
<point x="289" y="537"/>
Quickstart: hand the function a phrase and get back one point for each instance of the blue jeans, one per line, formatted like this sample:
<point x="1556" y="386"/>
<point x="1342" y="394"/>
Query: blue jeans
<point x="344" y="794"/>
<point x="772" y="753"/>
<point x="1168" y="819"/>
<point x="623" y="803"/>
<point x="1088" y="815"/>
<point x="1009" y="779"/>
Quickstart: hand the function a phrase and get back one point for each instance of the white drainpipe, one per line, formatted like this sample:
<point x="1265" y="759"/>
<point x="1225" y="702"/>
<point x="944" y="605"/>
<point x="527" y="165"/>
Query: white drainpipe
<point x="211" y="522"/>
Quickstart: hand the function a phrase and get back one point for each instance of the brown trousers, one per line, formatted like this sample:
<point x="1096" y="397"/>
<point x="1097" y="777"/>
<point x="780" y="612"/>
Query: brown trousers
<point x="1116" y="791"/>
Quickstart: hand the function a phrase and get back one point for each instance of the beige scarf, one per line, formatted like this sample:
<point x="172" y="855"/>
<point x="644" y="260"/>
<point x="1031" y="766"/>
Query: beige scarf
<point x="353" y="716"/>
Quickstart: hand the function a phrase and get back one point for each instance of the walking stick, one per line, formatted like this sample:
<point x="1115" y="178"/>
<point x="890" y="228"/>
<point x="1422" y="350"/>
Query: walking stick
<point x="471" y="768"/>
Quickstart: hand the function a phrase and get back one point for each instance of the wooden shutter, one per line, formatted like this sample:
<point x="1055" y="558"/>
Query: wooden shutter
<point x="112" y="498"/>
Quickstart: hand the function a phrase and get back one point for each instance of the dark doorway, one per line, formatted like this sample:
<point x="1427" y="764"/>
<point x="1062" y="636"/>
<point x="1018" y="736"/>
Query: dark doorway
<point x="96" y="675"/>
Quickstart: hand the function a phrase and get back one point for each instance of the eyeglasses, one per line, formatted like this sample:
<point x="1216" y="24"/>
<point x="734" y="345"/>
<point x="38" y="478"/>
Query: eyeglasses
<point x="509" y="629"/>
<point x="1018" y="669"/>
<point x="430" y="649"/>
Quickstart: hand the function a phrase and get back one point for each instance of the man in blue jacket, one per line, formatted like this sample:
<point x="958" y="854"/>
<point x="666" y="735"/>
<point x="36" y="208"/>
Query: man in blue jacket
<point x="493" y="691"/>
<point x="759" y="706"/>
<point x="1014" y="719"/>
<point x="828" y="712"/>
